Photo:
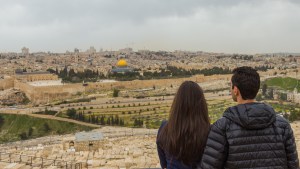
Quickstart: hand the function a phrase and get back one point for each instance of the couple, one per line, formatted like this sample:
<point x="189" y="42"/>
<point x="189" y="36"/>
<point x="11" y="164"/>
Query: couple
<point x="249" y="135"/>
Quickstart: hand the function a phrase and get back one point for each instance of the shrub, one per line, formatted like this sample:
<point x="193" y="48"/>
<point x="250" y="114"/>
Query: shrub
<point x="71" y="113"/>
<point x="116" y="93"/>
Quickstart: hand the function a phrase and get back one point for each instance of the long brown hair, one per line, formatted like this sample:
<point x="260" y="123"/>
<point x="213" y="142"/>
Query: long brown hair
<point x="185" y="134"/>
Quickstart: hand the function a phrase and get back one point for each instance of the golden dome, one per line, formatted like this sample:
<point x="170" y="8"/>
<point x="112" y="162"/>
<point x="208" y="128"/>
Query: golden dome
<point x="122" y="63"/>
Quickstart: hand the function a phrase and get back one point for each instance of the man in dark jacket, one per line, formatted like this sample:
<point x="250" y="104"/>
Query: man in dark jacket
<point x="249" y="135"/>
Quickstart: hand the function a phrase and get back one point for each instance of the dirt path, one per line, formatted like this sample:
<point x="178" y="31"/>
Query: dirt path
<point x="60" y="119"/>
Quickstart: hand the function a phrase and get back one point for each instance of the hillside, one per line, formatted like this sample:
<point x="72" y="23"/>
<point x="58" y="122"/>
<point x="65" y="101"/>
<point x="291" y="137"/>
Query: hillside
<point x="12" y="96"/>
<point x="285" y="83"/>
<point x="22" y="127"/>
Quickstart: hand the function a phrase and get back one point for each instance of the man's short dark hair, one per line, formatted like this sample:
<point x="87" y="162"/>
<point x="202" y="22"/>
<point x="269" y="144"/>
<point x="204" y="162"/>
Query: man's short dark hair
<point x="247" y="80"/>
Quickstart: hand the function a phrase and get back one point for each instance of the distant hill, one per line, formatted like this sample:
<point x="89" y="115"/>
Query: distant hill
<point x="21" y="127"/>
<point x="285" y="83"/>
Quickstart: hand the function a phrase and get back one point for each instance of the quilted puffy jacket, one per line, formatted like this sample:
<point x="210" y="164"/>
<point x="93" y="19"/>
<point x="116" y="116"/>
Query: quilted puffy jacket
<point x="250" y="136"/>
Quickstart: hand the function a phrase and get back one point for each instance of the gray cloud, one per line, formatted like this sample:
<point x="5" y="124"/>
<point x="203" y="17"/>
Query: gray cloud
<point x="246" y="26"/>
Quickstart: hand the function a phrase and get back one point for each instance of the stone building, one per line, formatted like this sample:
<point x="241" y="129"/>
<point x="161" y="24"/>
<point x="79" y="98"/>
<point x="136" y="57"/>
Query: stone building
<point x="294" y="96"/>
<point x="35" y="76"/>
<point x="86" y="141"/>
<point x="25" y="51"/>
<point x="92" y="50"/>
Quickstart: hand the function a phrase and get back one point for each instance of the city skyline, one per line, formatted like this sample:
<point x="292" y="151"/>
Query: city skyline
<point x="212" y="26"/>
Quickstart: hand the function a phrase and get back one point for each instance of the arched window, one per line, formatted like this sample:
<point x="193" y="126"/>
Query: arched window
<point x="71" y="144"/>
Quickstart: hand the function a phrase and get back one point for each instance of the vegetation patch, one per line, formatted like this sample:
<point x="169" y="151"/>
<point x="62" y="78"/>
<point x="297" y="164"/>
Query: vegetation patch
<point x="47" y="112"/>
<point x="285" y="83"/>
<point x="149" y="115"/>
<point x="22" y="127"/>
<point x="80" y="100"/>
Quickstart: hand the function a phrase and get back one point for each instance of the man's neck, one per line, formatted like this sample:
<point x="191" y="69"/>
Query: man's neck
<point x="241" y="101"/>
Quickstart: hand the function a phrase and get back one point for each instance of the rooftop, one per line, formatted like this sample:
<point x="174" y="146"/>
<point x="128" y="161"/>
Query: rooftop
<point x="88" y="136"/>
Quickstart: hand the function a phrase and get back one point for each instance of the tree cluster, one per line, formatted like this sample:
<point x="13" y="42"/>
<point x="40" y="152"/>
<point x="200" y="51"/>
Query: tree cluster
<point x="76" y="77"/>
<point x="138" y="123"/>
<point x="95" y="119"/>
<point x="47" y="112"/>
<point x="71" y="113"/>
<point x="116" y="92"/>
<point x="1" y="121"/>
<point x="172" y="71"/>
<point x="263" y="68"/>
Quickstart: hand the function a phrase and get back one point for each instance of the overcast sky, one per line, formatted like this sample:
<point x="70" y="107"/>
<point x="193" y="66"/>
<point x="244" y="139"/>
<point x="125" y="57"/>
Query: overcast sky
<point x="230" y="26"/>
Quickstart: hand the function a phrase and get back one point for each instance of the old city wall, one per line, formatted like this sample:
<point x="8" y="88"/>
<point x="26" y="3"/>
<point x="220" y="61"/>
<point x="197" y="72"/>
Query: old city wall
<point x="50" y="93"/>
<point x="44" y="94"/>
<point x="6" y="83"/>
<point x="27" y="89"/>
<point x="157" y="83"/>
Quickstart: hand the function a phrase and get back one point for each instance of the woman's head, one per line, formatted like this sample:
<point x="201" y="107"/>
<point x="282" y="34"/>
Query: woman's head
<point x="189" y="102"/>
<point x="185" y="134"/>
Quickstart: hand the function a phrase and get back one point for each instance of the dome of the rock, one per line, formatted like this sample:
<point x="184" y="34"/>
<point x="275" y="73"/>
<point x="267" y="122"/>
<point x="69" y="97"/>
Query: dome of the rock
<point x="122" y="63"/>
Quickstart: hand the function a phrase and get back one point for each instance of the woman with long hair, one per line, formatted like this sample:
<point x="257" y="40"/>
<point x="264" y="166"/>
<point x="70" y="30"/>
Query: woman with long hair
<point x="181" y="139"/>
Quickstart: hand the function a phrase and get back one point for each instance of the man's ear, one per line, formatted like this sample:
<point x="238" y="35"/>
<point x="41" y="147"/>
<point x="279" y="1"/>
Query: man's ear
<point x="236" y="91"/>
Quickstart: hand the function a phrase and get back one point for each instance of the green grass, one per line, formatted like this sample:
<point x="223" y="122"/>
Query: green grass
<point x="16" y="124"/>
<point x="285" y="83"/>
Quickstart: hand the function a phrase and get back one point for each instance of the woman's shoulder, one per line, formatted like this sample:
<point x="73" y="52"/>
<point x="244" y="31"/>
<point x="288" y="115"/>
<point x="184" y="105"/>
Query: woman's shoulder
<point x="163" y="124"/>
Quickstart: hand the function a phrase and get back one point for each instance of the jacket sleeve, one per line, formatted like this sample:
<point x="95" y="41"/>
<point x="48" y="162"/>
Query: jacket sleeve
<point x="216" y="150"/>
<point x="160" y="151"/>
<point x="162" y="156"/>
<point x="290" y="148"/>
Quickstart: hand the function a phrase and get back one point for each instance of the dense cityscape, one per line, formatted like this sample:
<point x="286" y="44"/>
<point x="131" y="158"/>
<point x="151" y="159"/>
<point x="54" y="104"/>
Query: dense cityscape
<point x="108" y="99"/>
